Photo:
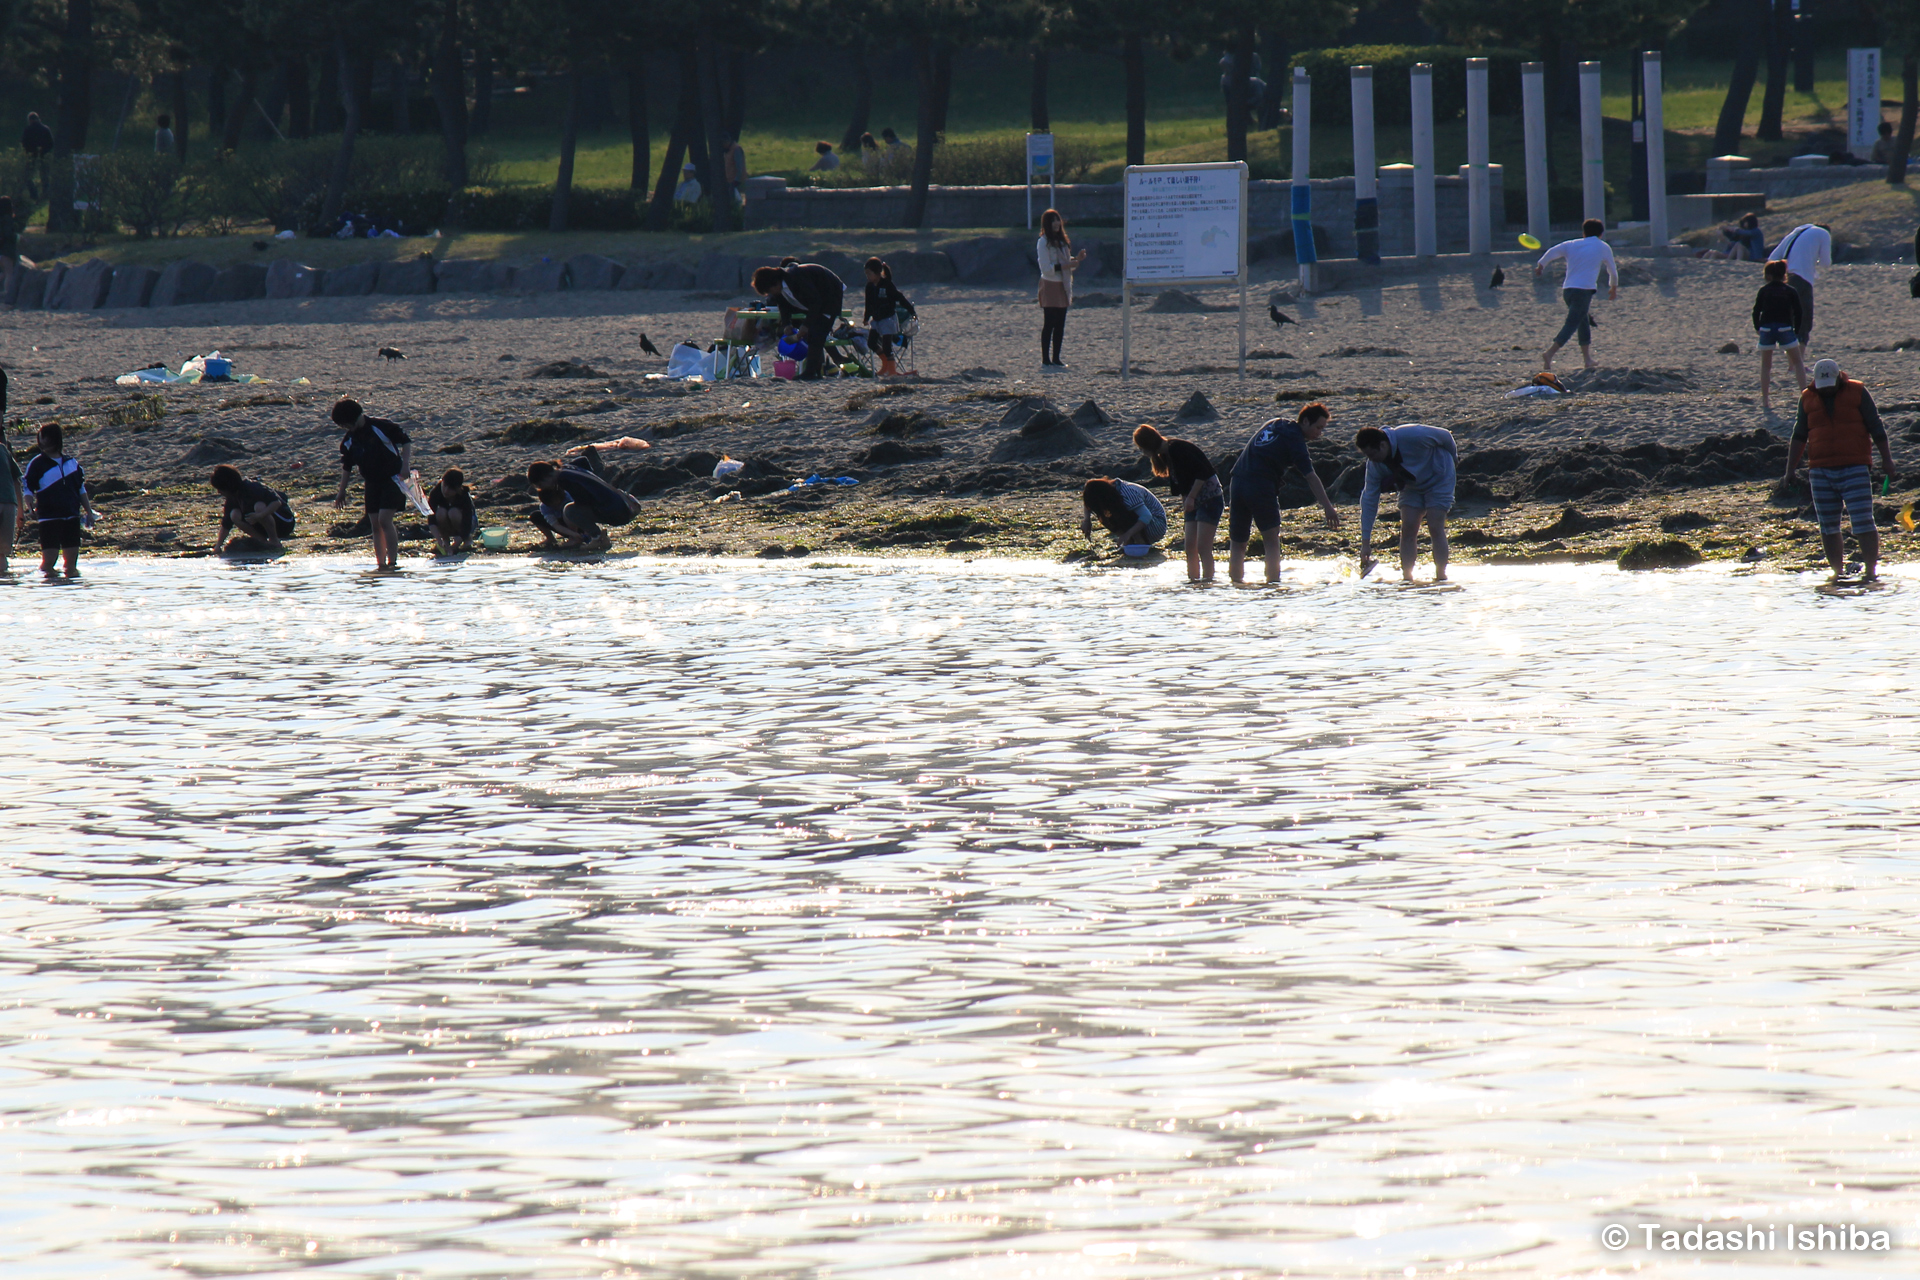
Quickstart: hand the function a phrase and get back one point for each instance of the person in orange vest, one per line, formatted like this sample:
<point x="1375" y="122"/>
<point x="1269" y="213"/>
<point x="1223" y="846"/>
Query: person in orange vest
<point x="1837" y="429"/>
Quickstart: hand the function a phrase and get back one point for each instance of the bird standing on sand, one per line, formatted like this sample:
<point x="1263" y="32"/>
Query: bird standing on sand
<point x="1278" y="316"/>
<point x="646" y="345"/>
<point x="393" y="353"/>
<point x="1499" y="278"/>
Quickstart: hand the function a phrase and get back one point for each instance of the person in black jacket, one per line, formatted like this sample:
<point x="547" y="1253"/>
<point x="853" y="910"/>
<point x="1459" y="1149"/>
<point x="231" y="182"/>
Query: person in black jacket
<point x="882" y="314"/>
<point x="809" y="290"/>
<point x="384" y="455"/>
<point x="1776" y="319"/>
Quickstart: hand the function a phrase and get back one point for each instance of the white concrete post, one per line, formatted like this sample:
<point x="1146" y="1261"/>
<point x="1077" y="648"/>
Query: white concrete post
<point x="1656" y="153"/>
<point x="1593" y="152"/>
<point x="1302" y="192"/>
<point x="1366" y="169"/>
<point x="1479" y="216"/>
<point x="1533" y="101"/>
<point x="1425" y="233"/>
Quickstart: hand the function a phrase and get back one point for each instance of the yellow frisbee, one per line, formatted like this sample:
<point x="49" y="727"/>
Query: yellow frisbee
<point x="1528" y="242"/>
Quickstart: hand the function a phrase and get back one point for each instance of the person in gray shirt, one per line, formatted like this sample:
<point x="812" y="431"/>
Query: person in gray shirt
<point x="1417" y="461"/>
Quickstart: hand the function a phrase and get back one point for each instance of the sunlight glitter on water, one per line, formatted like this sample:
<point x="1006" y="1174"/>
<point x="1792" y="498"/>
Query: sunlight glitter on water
<point x="512" y="919"/>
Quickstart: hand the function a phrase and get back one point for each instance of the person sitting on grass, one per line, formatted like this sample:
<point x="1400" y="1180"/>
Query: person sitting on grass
<point x="827" y="161"/>
<point x="688" y="192"/>
<point x="574" y="503"/>
<point x="455" y="520"/>
<point x="250" y="509"/>
<point x="1126" y="510"/>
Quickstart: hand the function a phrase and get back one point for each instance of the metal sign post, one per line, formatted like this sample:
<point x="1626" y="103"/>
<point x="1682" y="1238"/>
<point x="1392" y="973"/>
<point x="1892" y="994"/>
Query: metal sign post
<point x="1185" y="224"/>
<point x="1039" y="165"/>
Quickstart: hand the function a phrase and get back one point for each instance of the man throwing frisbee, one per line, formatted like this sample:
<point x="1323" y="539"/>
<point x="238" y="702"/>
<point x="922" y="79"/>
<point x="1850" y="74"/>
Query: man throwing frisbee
<point x="1584" y="258"/>
<point x="1417" y="461"/>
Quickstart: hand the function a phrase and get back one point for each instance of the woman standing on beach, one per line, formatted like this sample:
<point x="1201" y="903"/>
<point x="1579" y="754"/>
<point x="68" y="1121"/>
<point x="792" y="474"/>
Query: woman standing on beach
<point x="1191" y="478"/>
<point x="1057" y="260"/>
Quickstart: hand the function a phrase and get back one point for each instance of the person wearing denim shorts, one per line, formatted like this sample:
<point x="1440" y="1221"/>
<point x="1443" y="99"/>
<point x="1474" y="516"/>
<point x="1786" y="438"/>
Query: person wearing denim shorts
<point x="1191" y="478"/>
<point x="1837" y="430"/>
<point x="1418" y="461"/>
<point x="1776" y="319"/>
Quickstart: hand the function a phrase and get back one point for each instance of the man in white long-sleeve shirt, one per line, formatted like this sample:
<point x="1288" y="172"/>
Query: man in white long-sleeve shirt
<point x="1584" y="258"/>
<point x="1805" y="249"/>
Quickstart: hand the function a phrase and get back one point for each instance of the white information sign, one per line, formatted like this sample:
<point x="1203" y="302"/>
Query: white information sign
<point x="1863" y="100"/>
<point x="1185" y="224"/>
<point x="1039" y="169"/>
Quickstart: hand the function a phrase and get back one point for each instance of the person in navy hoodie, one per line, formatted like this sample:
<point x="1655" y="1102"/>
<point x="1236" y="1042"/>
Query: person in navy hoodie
<point x="56" y="497"/>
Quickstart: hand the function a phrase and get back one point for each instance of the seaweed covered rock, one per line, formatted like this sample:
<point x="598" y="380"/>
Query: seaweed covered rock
<point x="1648" y="553"/>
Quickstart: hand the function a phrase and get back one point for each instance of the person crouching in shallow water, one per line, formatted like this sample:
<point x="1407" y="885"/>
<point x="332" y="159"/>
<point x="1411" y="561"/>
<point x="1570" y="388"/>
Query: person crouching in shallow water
<point x="250" y="509"/>
<point x="455" y="520"/>
<point x="574" y="503"/>
<point x="1257" y="474"/>
<point x="1126" y="510"/>
<point x="1418" y="462"/>
<point x="383" y="453"/>
<point x="1191" y="478"/>
<point x="1837" y="429"/>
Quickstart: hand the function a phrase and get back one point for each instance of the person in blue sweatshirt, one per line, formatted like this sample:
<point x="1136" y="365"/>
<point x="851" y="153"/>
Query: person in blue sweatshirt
<point x="1417" y="462"/>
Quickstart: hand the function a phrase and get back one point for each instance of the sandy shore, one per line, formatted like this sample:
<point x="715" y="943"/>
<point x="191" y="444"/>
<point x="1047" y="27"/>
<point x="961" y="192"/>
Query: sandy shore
<point x="949" y="469"/>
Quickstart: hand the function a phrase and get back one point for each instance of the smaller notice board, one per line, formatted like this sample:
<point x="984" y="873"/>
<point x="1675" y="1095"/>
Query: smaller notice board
<point x="1186" y="222"/>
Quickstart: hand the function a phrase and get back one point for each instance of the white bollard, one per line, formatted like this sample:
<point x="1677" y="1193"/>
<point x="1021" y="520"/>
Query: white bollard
<point x="1593" y="151"/>
<point x="1479" y="216"/>
<point x="1302" y="192"/>
<point x="1425" y="233"/>
<point x="1533" y="101"/>
<point x="1366" y="170"/>
<point x="1656" y="154"/>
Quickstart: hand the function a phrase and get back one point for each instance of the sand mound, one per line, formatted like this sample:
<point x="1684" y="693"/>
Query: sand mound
<point x="1345" y="352"/>
<point x="574" y="368"/>
<point x="1090" y="415"/>
<point x="1044" y="435"/>
<point x="1175" y="302"/>
<point x="212" y="450"/>
<point x="902" y="426"/>
<point x="893" y="452"/>
<point x="1197" y="409"/>
<point x="1023" y="410"/>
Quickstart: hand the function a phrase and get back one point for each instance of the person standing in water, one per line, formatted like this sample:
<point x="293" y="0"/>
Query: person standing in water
<point x="383" y="453"/>
<point x="1837" y="430"/>
<point x="1418" y="461"/>
<point x="56" y="497"/>
<point x="1776" y="319"/>
<point x="1054" y="252"/>
<point x="1191" y="478"/>
<point x="1584" y="258"/>
<point x="1256" y="479"/>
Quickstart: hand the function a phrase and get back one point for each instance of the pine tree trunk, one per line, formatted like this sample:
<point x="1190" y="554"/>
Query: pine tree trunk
<point x="217" y="76"/>
<point x="719" y="190"/>
<point x="329" y="106"/>
<point x="862" y="101"/>
<point x="400" y="88"/>
<point x="736" y="108"/>
<point x="238" y="111"/>
<point x="180" y="104"/>
<point x="1774" y="101"/>
<point x="450" y="99"/>
<point x="1133" y="58"/>
<point x="569" y="137"/>
<point x="348" y="80"/>
<point x="925" y="135"/>
<point x="1237" y="95"/>
<point x="74" y="112"/>
<point x="684" y="111"/>
<point x="1909" y="109"/>
<point x="1037" y="114"/>
<point x="266" y="118"/>
<point x="639" y="129"/>
<point x="1749" y="15"/>
<point x="299" y="99"/>
<point x="942" y="86"/>
<point x="696" y="116"/>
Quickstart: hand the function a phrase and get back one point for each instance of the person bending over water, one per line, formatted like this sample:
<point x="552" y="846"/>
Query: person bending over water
<point x="1584" y="258"/>
<point x="574" y="503"/>
<point x="455" y="521"/>
<point x="1191" y="478"/>
<point x="1837" y="429"/>
<point x="1256" y="486"/>
<point x="1126" y="510"/>
<point x="251" y="509"/>
<point x="383" y="453"/>
<point x="1418" y="461"/>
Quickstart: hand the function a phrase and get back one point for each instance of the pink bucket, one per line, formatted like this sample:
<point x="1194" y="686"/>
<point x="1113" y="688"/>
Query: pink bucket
<point x="786" y="369"/>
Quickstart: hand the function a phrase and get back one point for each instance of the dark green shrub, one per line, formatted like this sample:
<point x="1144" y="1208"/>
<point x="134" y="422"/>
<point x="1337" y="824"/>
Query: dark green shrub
<point x="149" y="194"/>
<point x="1392" y="80"/>
<point x="984" y="162"/>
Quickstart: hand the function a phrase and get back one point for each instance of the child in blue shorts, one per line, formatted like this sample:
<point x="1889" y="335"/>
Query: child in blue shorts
<point x="1776" y="318"/>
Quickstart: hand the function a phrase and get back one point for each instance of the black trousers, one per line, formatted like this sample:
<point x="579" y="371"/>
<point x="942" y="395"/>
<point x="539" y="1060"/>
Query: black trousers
<point x="1053" y="327"/>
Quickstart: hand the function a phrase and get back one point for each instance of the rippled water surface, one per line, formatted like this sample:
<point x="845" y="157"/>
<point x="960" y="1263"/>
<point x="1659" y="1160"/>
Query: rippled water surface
<point x="513" y="919"/>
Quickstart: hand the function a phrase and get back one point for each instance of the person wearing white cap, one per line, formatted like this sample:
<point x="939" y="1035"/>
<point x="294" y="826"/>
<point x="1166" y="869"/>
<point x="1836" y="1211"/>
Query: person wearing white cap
<point x="1837" y="429"/>
<point x="1805" y="249"/>
<point x="688" y="192"/>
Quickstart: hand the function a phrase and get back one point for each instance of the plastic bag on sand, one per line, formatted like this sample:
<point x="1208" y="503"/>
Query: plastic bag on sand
<point x="410" y="485"/>
<point x="726" y="467"/>
<point x="1531" y="392"/>
<point x="687" y="362"/>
